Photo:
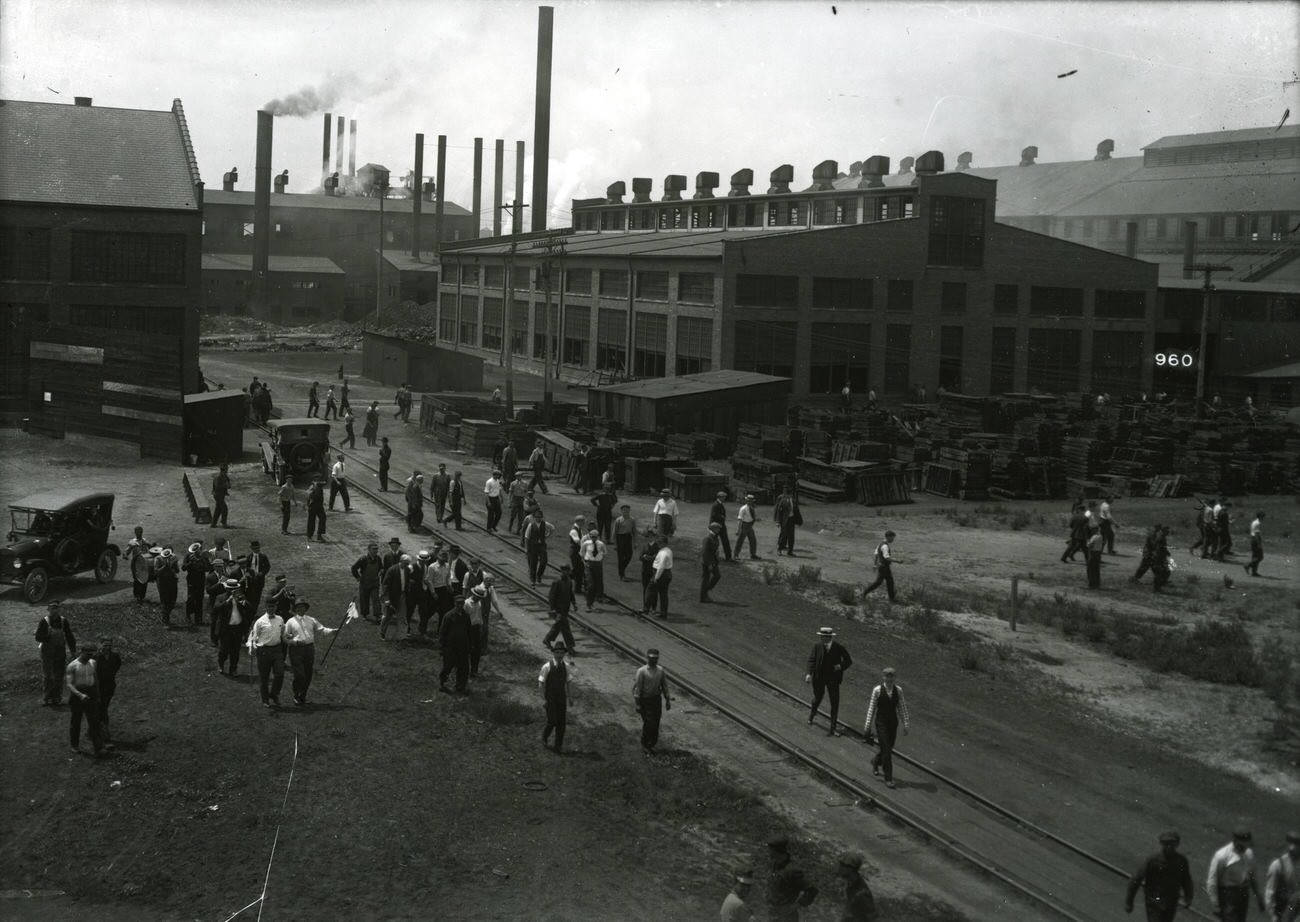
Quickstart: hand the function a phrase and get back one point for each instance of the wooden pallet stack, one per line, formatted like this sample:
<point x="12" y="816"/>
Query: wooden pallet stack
<point x="703" y="446"/>
<point x="828" y="483"/>
<point x="761" y="476"/>
<point x="842" y="450"/>
<point x="478" y="437"/>
<point x="884" y="485"/>
<point x="1082" y="457"/>
<point x="755" y="441"/>
<point x="974" y="469"/>
<point x="648" y="475"/>
<point x="446" y="428"/>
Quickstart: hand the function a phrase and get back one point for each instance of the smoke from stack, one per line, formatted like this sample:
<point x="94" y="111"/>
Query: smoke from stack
<point x="312" y="99"/>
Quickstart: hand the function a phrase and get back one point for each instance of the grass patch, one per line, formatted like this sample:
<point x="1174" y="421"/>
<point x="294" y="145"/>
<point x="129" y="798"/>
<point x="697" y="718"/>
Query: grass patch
<point x="804" y="578"/>
<point x="502" y="711"/>
<point x="771" y="574"/>
<point x="846" y="594"/>
<point x="1020" y="520"/>
<point x="1046" y="659"/>
<point x="970" y="658"/>
<point x="930" y="624"/>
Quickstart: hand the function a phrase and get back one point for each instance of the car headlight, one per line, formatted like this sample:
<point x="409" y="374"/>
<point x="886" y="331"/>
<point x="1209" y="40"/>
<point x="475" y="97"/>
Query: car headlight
<point x="18" y="563"/>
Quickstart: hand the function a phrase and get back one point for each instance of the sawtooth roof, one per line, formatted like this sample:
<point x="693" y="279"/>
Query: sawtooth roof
<point x="94" y="155"/>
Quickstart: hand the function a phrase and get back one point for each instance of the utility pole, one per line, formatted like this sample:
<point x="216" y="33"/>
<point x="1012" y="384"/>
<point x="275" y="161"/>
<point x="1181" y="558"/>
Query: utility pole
<point x="381" y="184"/>
<point x="516" y="216"/>
<point x="555" y="252"/>
<point x="1206" y="290"/>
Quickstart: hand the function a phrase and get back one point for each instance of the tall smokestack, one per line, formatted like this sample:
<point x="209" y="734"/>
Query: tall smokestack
<point x="478" y="186"/>
<point x="338" y="142"/>
<point x="352" y="147"/>
<point x="517" y="219"/>
<point x="442" y="182"/>
<point x="496" y="188"/>
<point x="262" y="213"/>
<point x="417" y="195"/>
<point x="541" y="119"/>
<point x="325" y="151"/>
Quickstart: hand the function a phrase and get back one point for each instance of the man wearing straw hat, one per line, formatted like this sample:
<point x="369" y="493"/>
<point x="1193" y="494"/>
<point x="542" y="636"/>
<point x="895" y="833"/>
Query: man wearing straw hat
<point x="195" y="566"/>
<point x="167" y="576"/>
<point x="300" y="633"/>
<point x="826" y="665"/>
<point x="734" y="908"/>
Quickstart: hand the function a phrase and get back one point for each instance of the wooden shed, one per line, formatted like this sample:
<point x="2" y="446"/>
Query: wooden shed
<point x="426" y="367"/>
<point x="214" y="426"/>
<point x="712" y="401"/>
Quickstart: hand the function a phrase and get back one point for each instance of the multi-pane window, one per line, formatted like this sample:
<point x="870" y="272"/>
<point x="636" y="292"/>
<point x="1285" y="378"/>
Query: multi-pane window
<point x="953" y="298"/>
<point x="1046" y="301"/>
<point x="1053" y="355"/>
<point x="146" y="259"/>
<point x="578" y="281"/>
<point x="469" y="274"/>
<point x="492" y="320"/>
<point x="519" y="327"/>
<point x="950" y="358"/>
<point x="956" y="231"/>
<point x="494" y="276"/>
<point x="745" y="214"/>
<point x="611" y="220"/>
<point x="705" y="216"/>
<point x="898" y="295"/>
<point x="766" y="347"/>
<point x="1119" y="305"/>
<point x="1006" y="299"/>
<point x="540" y="330"/>
<point x="642" y="218"/>
<point x="650" y="346"/>
<point x="695" y="287"/>
<point x="1117" y="357"/>
<point x="833" y="294"/>
<point x="840" y="352"/>
<point x="892" y="207"/>
<point x="898" y="358"/>
<point x="613" y="283"/>
<point x="652" y="286"/>
<point x="1002" y="374"/>
<point x="469" y="319"/>
<point x="767" y="290"/>
<point x="786" y="214"/>
<point x="522" y="277"/>
<point x="577" y="334"/>
<point x="672" y="217"/>
<point x="157" y="321"/>
<point x="447" y="316"/>
<point x="694" y="345"/>
<point x="611" y="340"/>
<point x="25" y="253"/>
<point x="835" y="211"/>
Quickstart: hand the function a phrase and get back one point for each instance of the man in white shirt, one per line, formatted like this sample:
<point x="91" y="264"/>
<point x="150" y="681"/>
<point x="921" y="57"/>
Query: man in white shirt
<point x="492" y="490"/>
<point x="665" y="513"/>
<point x="734" y="908"/>
<point x="267" y="641"/>
<point x="1282" y="884"/>
<point x="1256" y="544"/>
<point x="660" y="580"/>
<point x="745" y="520"/>
<point x="1231" y="879"/>
<point x="300" y="634"/>
<point x="1108" y="524"/>
<point x="593" y="565"/>
<point x="339" y="484"/>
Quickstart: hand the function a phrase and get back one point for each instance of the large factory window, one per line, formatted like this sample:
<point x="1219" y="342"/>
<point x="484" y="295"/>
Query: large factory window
<point x="950" y="358"/>
<point x="1054" y="359"/>
<point x="652" y="286"/>
<point x="953" y="299"/>
<point x="539" y="330"/>
<point x="469" y="274"/>
<point x="787" y="214"/>
<point x="1002" y="374"/>
<point x="1055" y="302"/>
<point x="694" y="345"/>
<point x="898" y="358"/>
<point x="1006" y="299"/>
<point x="642" y="218"/>
<point x="611" y="220"/>
<point x="521" y="280"/>
<point x="672" y="218"/>
<point x="830" y="294"/>
<point x="519" y="328"/>
<point x="1119" y="305"/>
<point x="650" y="346"/>
<point x="146" y="259"/>
<point x="578" y="281"/>
<point x="611" y="340"/>
<point x="767" y="290"/>
<point x="494" y="276"/>
<point x="898" y="295"/>
<point x="25" y="253"/>
<point x="695" y="287"/>
<point x="577" y="334"/>
<point x="469" y="320"/>
<point x="956" y="231"/>
<point x="746" y="214"/>
<point x="766" y="347"/>
<point x="492" y="320"/>
<point x="840" y="352"/>
<point x="1117" y="357"/>
<point x="835" y="211"/>
<point x="706" y="216"/>
<point x="613" y="283"/>
<point x="447" y="316"/>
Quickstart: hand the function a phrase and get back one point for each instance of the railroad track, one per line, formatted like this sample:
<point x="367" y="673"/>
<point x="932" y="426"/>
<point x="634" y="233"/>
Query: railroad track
<point x="1042" y="867"/>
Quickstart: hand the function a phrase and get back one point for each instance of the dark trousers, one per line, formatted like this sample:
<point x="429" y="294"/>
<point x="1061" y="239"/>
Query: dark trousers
<point x="52" y="666"/>
<point x="745" y="532"/>
<point x="367" y="599"/>
<point x="453" y="514"/>
<point x="1234" y="903"/>
<point x="1256" y="555"/>
<point x="89" y="708"/>
<point x="561" y="627"/>
<point x="516" y="516"/>
<point x="313" y="409"/>
<point x="194" y="602"/>
<point x="167" y="592"/>
<point x="830" y="690"/>
<point x="284" y="517"/>
<point x="623" y="547"/>
<point x="1142" y="568"/>
<point x="1072" y="547"/>
<point x="302" y="660"/>
<point x="443" y="600"/>
<point x="1160" y="575"/>
<point x="477" y="646"/>
<point x="579" y="570"/>
<point x="220" y="510"/>
<point x="651" y="709"/>
<point x="1094" y="569"/>
<point x="538" y="482"/>
<point x="785" y="540"/>
<point x="605" y="525"/>
<point x="455" y="658"/>
<point x="1157" y="912"/>
<point x="536" y="563"/>
<point x="340" y="487"/>
<point x="440" y="504"/>
<point x="666" y="524"/>
<point x="315" y="521"/>
<point x="1200" y="535"/>
<point x="425" y="607"/>
<point x="709" y="577"/>
<point x="493" y="512"/>
<point x="270" y="670"/>
<point x="1107" y="536"/>
<point x="106" y="692"/>
<point x="139" y="589"/>
<point x="886" y="734"/>
<point x="230" y="642"/>
<point x="726" y="541"/>
<point x="557" y="717"/>
<point x="658" y="593"/>
<point x="414" y="517"/>
<point x="383" y="477"/>
<point x="884" y="574"/>
<point x="595" y="573"/>
<point x="331" y="410"/>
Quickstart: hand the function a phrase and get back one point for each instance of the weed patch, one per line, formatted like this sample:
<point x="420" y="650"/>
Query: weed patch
<point x="804" y="578"/>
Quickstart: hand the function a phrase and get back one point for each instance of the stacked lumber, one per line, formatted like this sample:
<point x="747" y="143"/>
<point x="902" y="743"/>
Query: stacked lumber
<point x="559" y="450"/>
<point x="478" y="437"/>
<point x="827" y="483"/>
<point x="883" y="485"/>
<point x="763" y="477"/>
<point x="1206" y="469"/>
<point x="445" y="425"/>
<point x="702" y="446"/>
<point x="1082" y="457"/>
<point x="694" y="484"/>
<point x="648" y="475"/>
<point x="974" y="469"/>
<point x="842" y="450"/>
<point x="640" y="448"/>
<point x="752" y="441"/>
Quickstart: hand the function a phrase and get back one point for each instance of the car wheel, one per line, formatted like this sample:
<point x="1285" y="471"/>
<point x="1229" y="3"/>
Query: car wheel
<point x="35" y="585"/>
<point x="106" y="566"/>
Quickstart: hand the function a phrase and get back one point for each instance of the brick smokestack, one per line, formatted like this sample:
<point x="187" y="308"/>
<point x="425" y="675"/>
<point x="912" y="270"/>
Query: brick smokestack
<point x="325" y="151"/>
<point x="417" y="195"/>
<point x="338" y="142"/>
<point x="517" y="221"/>
<point x="262" y="214"/>
<point x="496" y="187"/>
<point x="352" y="147"/>
<point x="541" y="118"/>
<point x="478" y="187"/>
<point x="442" y="184"/>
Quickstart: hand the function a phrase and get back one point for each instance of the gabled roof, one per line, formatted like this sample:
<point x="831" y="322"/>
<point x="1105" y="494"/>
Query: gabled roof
<point x="685" y="385"/>
<point x="1235" y="136"/>
<point x="403" y="261"/>
<point x="321" y="201"/>
<point x="92" y="155"/>
<point x="243" y="262"/>
<point x="1173" y="190"/>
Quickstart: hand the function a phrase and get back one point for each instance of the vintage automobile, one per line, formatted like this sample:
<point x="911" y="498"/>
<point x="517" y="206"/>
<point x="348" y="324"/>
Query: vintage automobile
<point x="299" y="449"/>
<point x="58" y="533"/>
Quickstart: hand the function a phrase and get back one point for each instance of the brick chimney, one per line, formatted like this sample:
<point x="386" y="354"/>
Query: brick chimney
<point x="855" y="168"/>
<point x="824" y="175"/>
<point x="705" y="183"/>
<point x="781" y="178"/>
<point x="614" y="193"/>
<point x="1028" y="155"/>
<point x="873" y="168"/>
<point x="674" y="186"/>
<point x="1105" y="149"/>
<point x="741" y="180"/>
<point x="641" y="186"/>
<point x="430" y="190"/>
<point x="963" y="161"/>
<point x="228" y="180"/>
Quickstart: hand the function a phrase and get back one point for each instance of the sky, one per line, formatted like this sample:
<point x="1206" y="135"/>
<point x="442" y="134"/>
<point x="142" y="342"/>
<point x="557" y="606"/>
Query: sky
<point x="654" y="87"/>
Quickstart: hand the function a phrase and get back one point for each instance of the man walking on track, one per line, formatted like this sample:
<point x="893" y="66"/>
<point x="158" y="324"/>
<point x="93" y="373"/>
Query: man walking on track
<point x="339" y="485"/>
<point x="624" y="533"/>
<point x="533" y="539"/>
<point x="650" y="692"/>
<point x="554" y="682"/>
<point x="884" y="566"/>
<point x="886" y="711"/>
<point x="1232" y="878"/>
<point x="453" y="634"/>
<point x="537" y="462"/>
<point x="492" y="492"/>
<point x="1282" y="884"/>
<point x="718" y="513"/>
<point x="1163" y="877"/>
<point x="220" y="490"/>
<point x="439" y="485"/>
<point x="661" y="578"/>
<point x="1256" y="544"/>
<point x="710" y="571"/>
<point x="826" y="665"/>
<point x="562" y="600"/>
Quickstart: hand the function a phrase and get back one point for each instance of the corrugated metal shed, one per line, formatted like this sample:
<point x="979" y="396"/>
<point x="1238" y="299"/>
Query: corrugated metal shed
<point x="91" y="155"/>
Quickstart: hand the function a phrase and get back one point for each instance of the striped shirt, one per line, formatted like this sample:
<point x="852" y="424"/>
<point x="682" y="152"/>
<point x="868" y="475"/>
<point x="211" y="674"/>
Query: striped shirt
<point x="875" y="705"/>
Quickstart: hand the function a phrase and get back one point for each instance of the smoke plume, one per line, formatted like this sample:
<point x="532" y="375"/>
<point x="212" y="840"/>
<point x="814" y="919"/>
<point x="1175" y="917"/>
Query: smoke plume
<point x="310" y="99"/>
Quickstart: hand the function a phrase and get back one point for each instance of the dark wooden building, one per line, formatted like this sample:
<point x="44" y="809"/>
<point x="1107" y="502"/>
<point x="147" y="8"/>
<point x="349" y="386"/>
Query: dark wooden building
<point x="300" y="289"/>
<point x="426" y="367"/>
<point x="100" y="230"/>
<point x="713" y="401"/>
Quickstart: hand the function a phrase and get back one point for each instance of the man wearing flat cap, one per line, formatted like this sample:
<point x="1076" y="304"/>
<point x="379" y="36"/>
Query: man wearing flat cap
<point x="788" y="888"/>
<point x="562" y="600"/>
<point x="859" y="904"/>
<point x="649" y="692"/>
<point x="300" y="633"/>
<point x="665" y="513"/>
<point x="745" y="519"/>
<point x="1282" y="884"/>
<point x="826" y="665"/>
<point x="257" y="566"/>
<point x="83" y="691"/>
<point x="734" y="908"/>
<point x="1231" y="879"/>
<point x="1163" y="877"/>
<point x="56" y="641"/>
<point x="554" y="683"/>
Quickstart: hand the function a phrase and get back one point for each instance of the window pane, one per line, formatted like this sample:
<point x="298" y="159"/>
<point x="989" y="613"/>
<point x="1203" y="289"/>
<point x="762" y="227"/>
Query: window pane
<point x="613" y="283"/>
<point x="695" y="287"/>
<point x="842" y="294"/>
<point x="694" y="345"/>
<point x="767" y="290"/>
<point x="652" y="286"/>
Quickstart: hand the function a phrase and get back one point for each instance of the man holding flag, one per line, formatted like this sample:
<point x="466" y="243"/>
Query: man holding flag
<point x="300" y="633"/>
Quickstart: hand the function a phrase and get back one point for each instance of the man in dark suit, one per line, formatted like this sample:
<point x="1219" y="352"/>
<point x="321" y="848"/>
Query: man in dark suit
<point x="453" y="635"/>
<point x="826" y="665"/>
<point x="256" y="567"/>
<point x="439" y="485"/>
<point x="710" y="571"/>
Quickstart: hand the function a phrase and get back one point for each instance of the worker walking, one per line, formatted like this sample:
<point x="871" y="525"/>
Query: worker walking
<point x="1162" y="877"/>
<point x="710" y="570"/>
<point x="718" y="513"/>
<point x="650" y="694"/>
<point x="884" y="560"/>
<point x="826" y="665"/>
<point x="1231" y="879"/>
<point x="1282" y="883"/>
<point x="886" y="712"/>
<point x="554" y="683"/>
<point x="745" y="518"/>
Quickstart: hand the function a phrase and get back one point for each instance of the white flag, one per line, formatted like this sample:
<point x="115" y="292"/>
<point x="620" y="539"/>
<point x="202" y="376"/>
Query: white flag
<point x="353" y="614"/>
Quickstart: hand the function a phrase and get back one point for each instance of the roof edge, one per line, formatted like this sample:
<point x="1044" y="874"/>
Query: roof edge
<point x="178" y="111"/>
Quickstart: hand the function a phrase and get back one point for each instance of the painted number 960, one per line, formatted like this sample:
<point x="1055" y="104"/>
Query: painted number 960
<point x="1175" y="359"/>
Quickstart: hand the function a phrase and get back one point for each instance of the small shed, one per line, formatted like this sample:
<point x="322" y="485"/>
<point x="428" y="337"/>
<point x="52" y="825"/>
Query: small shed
<point x="214" y="426"/>
<point x="712" y="401"/>
<point x="424" y="366"/>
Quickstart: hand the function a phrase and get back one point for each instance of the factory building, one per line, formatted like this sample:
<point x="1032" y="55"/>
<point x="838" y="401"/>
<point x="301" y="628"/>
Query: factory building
<point x="100" y="230"/>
